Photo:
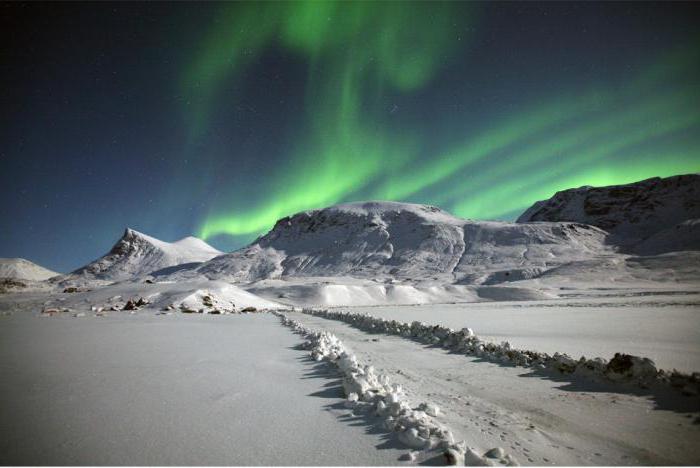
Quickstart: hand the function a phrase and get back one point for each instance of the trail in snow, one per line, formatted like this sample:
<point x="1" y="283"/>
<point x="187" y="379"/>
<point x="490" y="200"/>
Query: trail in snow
<point x="385" y="406"/>
<point x="541" y="421"/>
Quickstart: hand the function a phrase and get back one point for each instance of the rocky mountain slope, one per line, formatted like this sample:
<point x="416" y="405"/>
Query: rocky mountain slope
<point x="647" y="217"/>
<point x="137" y="254"/>
<point x="390" y="241"/>
<point x="21" y="269"/>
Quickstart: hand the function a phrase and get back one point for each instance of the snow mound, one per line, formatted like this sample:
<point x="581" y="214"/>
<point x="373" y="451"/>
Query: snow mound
<point x="634" y="213"/>
<point x="502" y="293"/>
<point x="350" y="292"/>
<point x="345" y="291"/>
<point x="21" y="269"/>
<point x="218" y="298"/>
<point x="137" y="254"/>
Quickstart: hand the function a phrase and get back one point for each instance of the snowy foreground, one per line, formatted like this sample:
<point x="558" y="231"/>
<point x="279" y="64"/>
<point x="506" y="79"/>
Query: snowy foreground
<point x="175" y="390"/>
<point x="153" y="387"/>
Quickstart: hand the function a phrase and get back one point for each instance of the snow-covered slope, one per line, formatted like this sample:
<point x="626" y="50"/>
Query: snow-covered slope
<point x="650" y="216"/>
<point x="19" y="268"/>
<point x="390" y="241"/>
<point x="137" y="254"/>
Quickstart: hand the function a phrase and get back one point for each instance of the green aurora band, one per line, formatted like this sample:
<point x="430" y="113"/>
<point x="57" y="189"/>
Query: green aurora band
<point x="358" y="53"/>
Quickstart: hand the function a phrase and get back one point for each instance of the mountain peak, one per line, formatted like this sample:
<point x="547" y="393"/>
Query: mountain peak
<point x="137" y="254"/>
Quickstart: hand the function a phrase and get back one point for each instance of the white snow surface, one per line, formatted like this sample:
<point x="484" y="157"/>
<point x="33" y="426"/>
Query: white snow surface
<point x="539" y="420"/>
<point x="160" y="295"/>
<point x="347" y="291"/>
<point x="137" y="254"/>
<point x="95" y="386"/>
<point x="665" y="327"/>
<point x="21" y="269"/>
<point x="170" y="390"/>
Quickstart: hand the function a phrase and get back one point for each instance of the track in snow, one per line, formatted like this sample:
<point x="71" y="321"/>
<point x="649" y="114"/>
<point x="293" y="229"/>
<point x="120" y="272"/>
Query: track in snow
<point x="541" y="421"/>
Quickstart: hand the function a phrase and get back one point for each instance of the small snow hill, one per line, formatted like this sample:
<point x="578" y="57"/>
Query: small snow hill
<point x="21" y="269"/>
<point x="649" y="217"/>
<point x="137" y="254"/>
<point x="391" y="241"/>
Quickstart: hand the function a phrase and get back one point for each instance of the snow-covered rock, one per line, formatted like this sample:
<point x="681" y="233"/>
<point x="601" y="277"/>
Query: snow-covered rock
<point x="652" y="215"/>
<point x="21" y="269"/>
<point x="137" y="254"/>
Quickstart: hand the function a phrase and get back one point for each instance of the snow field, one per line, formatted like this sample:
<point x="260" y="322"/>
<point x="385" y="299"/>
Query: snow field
<point x="663" y="326"/>
<point x="183" y="389"/>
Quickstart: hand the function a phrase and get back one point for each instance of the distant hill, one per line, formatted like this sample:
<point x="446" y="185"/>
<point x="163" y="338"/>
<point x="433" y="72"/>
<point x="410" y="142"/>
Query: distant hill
<point x="137" y="254"/>
<point x="21" y="269"/>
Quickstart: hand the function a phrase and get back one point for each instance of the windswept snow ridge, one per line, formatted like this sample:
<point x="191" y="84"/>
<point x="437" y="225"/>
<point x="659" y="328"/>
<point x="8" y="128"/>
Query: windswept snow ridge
<point x="621" y="368"/>
<point x="368" y="392"/>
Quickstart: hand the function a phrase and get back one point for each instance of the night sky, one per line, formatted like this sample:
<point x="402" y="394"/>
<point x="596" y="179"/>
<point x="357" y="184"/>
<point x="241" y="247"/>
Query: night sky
<point x="217" y="119"/>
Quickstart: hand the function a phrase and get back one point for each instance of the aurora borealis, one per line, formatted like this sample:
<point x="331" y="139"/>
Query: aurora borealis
<point x="360" y="53"/>
<point x="218" y="119"/>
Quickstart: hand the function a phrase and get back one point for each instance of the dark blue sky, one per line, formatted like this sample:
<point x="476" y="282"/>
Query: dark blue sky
<point x="215" y="119"/>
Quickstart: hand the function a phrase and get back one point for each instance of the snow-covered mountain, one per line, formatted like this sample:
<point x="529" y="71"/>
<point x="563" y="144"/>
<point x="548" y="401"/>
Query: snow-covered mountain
<point x="137" y="254"/>
<point x="649" y="217"/>
<point x="21" y="269"/>
<point x="390" y="241"/>
<point x="380" y="249"/>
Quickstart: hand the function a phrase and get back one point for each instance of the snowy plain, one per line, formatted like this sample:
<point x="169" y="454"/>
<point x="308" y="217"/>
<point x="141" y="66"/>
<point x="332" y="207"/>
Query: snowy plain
<point x="662" y="327"/>
<point x="175" y="389"/>
<point x="139" y="388"/>
<point x="540" y="419"/>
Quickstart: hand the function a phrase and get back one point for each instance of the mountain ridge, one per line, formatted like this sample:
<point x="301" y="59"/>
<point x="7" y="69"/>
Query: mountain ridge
<point x="393" y="240"/>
